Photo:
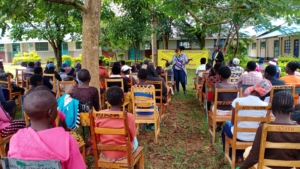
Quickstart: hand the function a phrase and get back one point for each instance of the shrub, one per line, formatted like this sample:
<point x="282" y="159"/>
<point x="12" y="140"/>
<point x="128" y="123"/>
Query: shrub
<point x="26" y="57"/>
<point x="284" y="60"/>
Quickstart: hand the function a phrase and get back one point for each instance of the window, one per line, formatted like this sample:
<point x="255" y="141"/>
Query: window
<point x="262" y="44"/>
<point x="42" y="46"/>
<point x="287" y="46"/>
<point x="1" y="47"/>
<point x="147" y="46"/>
<point x="78" y="45"/>
<point x="253" y="45"/>
<point x="185" y="44"/>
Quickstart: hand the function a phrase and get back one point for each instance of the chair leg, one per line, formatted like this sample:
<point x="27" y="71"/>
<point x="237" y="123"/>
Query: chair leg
<point x="142" y="161"/>
<point x="137" y="126"/>
<point x="83" y="153"/>
<point x="226" y="149"/>
<point x="2" y="151"/>
<point x="233" y="152"/>
<point x="156" y="128"/>
<point x="213" y="131"/>
<point x="19" y="100"/>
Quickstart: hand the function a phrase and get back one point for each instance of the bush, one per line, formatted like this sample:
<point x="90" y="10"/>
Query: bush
<point x="243" y="60"/>
<point x="26" y="57"/>
<point x="284" y="60"/>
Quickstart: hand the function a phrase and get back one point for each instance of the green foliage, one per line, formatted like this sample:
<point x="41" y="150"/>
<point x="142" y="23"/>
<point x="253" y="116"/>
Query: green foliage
<point x="107" y="61"/>
<point x="284" y="60"/>
<point x="26" y="57"/>
<point x="243" y="59"/>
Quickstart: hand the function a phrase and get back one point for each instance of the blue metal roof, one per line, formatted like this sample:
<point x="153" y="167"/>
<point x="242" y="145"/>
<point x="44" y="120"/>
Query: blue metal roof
<point x="286" y="30"/>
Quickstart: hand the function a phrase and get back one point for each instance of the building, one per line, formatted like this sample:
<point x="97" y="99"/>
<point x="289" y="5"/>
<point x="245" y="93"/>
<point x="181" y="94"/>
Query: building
<point x="282" y="41"/>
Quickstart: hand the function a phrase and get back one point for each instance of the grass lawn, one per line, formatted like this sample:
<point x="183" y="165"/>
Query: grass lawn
<point x="184" y="141"/>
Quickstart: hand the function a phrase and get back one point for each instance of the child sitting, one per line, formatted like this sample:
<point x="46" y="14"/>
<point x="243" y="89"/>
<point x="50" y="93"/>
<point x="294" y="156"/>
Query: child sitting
<point x="40" y="138"/>
<point x="282" y="106"/>
<point x="115" y="98"/>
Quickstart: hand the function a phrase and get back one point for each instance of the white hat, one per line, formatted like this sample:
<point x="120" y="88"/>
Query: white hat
<point x="272" y="63"/>
<point x="125" y="68"/>
<point x="236" y="61"/>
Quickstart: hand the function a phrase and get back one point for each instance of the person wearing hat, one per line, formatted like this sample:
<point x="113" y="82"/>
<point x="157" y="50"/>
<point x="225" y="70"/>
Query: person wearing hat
<point x="37" y="64"/>
<point x="178" y="62"/>
<point x="253" y="95"/>
<point x="146" y="62"/>
<point x="50" y="69"/>
<point x="71" y="74"/>
<point x="235" y="67"/>
<point x="125" y="71"/>
<point x="278" y="69"/>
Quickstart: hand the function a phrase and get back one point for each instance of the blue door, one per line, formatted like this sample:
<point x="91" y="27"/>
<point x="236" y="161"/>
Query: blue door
<point x="276" y="48"/>
<point x="16" y="49"/>
<point x="132" y="54"/>
<point x="296" y="48"/>
<point x="64" y="48"/>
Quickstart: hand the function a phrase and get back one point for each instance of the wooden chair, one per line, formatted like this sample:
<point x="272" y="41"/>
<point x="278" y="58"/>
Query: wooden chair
<point x="208" y="91"/>
<point x="202" y="96"/>
<point x="137" y="157"/>
<point x="199" y="84"/>
<point x="234" y="79"/>
<point x="26" y="75"/>
<point x="120" y="83"/>
<point x="60" y="86"/>
<point x="158" y="96"/>
<point x="139" y="119"/>
<point x="9" y="88"/>
<point x="19" y="77"/>
<point x="264" y="144"/>
<point x="13" y="163"/>
<point x="130" y="83"/>
<point x="52" y="81"/>
<point x="241" y="145"/>
<point x="213" y="119"/>
<point x="3" y="143"/>
<point x="27" y="81"/>
<point x="287" y="88"/>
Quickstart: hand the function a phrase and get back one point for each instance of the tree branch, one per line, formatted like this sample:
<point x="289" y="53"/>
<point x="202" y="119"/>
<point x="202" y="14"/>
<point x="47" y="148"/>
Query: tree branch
<point x="217" y="7"/>
<point x="69" y="2"/>
<point x="198" y="19"/>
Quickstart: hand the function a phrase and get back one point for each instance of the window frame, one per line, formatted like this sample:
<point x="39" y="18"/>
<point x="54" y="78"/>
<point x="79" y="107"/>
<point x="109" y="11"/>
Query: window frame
<point x="263" y="45"/>
<point x="77" y="43"/>
<point x="254" y="45"/>
<point x="186" y="44"/>
<point x="2" y="48"/>
<point x="41" y="49"/>
<point x="287" y="46"/>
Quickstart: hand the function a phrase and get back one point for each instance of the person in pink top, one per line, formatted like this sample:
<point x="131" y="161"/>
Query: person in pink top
<point x="42" y="142"/>
<point x="115" y="97"/>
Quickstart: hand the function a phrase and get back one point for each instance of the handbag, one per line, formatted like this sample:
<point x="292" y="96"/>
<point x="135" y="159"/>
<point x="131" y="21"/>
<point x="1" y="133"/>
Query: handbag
<point x="84" y="109"/>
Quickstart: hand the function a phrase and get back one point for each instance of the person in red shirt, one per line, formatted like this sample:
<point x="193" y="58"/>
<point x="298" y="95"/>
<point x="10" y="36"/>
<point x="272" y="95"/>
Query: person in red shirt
<point x="103" y="73"/>
<point x="115" y="98"/>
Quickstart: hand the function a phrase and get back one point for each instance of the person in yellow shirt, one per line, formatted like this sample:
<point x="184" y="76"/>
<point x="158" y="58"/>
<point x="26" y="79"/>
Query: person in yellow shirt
<point x="290" y="78"/>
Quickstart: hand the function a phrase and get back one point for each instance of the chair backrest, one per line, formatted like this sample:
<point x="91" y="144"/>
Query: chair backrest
<point x="265" y="144"/>
<point x="133" y="74"/>
<point x="13" y="163"/>
<point x="52" y="81"/>
<point x="19" y="76"/>
<point x="287" y="88"/>
<point x="297" y="89"/>
<point x="164" y="76"/>
<point x="158" y="90"/>
<point x="27" y="83"/>
<point x="130" y="82"/>
<point x="238" y="118"/>
<point x="61" y="85"/>
<point x="217" y="102"/>
<point x="8" y="83"/>
<point x="200" y="79"/>
<point x="138" y="101"/>
<point x="96" y="131"/>
<point x="234" y="79"/>
<point x="27" y="119"/>
<point x="109" y="82"/>
<point x="25" y="76"/>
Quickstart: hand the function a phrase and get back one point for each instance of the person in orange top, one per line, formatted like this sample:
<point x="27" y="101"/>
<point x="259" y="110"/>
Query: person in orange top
<point x="291" y="78"/>
<point x="115" y="98"/>
<point x="103" y="73"/>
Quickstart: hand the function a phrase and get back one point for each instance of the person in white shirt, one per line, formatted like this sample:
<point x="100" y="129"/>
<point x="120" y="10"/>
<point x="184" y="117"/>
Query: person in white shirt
<point x="253" y="95"/>
<point x="201" y="67"/>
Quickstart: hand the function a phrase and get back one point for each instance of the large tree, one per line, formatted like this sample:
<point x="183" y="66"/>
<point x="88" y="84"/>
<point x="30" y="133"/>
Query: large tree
<point x="43" y="20"/>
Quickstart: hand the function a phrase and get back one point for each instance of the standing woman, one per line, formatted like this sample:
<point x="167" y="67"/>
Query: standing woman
<point x="179" y="71"/>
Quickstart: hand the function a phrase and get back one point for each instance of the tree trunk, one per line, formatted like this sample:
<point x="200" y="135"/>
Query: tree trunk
<point x="225" y="45"/>
<point x="201" y="39"/>
<point x="237" y="41"/>
<point x="165" y="41"/>
<point x="56" y="45"/>
<point x="90" y="39"/>
<point x="154" y="42"/>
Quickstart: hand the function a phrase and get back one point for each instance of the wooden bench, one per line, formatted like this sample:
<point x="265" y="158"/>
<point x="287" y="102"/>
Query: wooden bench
<point x="137" y="157"/>
<point x="140" y="119"/>
<point x="10" y="90"/>
<point x="213" y="119"/>
<point x="242" y="145"/>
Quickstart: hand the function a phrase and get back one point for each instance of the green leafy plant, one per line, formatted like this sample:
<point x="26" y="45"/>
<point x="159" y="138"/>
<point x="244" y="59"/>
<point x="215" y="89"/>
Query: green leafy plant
<point x="284" y="60"/>
<point x="26" y="57"/>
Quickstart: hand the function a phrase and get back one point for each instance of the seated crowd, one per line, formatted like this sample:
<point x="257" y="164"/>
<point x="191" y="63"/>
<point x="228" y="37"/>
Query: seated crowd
<point x="51" y="118"/>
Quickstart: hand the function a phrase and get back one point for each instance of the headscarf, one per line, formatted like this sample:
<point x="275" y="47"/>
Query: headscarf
<point x="68" y="63"/>
<point x="37" y="64"/>
<point x="263" y="87"/>
<point x="151" y="71"/>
